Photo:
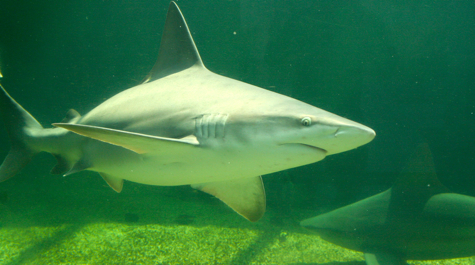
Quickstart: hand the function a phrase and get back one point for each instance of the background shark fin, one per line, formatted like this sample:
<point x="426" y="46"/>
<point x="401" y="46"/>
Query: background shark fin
<point x="115" y="183"/>
<point x="137" y="142"/>
<point x="20" y="126"/>
<point x="420" y="171"/>
<point x="383" y="259"/>
<point x="177" y="49"/>
<point x="245" y="196"/>
<point x="416" y="185"/>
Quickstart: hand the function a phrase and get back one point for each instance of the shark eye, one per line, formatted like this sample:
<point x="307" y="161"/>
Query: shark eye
<point x="306" y="121"/>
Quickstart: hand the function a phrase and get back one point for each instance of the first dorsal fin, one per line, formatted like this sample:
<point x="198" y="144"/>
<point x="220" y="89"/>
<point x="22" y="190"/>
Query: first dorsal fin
<point x="177" y="48"/>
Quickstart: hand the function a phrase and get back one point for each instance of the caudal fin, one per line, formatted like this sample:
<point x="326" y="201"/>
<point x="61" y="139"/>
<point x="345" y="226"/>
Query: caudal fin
<point x="20" y="125"/>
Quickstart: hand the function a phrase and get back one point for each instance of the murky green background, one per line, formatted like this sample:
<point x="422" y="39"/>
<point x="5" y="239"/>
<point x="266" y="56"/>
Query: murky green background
<point x="404" y="68"/>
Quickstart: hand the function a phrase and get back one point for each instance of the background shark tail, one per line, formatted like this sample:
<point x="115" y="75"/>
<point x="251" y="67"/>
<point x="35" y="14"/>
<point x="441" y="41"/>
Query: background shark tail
<point x="21" y="127"/>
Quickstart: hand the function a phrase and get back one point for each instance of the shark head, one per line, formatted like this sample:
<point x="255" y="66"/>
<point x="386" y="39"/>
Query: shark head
<point x="293" y="132"/>
<point x="317" y="128"/>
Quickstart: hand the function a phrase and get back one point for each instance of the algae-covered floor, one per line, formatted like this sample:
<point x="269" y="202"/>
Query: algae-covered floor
<point x="79" y="220"/>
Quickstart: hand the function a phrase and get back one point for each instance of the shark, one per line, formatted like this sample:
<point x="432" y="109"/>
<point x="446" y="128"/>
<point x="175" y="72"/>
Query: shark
<point x="185" y="125"/>
<point x="416" y="219"/>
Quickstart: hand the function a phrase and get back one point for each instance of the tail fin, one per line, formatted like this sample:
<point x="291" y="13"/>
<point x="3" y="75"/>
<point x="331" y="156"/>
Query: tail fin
<point x="20" y="126"/>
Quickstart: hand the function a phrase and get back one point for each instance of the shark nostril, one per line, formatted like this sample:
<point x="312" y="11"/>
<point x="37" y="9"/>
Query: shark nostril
<point x="337" y="132"/>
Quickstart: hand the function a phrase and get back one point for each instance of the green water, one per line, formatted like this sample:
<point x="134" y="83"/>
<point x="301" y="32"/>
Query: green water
<point x="404" y="68"/>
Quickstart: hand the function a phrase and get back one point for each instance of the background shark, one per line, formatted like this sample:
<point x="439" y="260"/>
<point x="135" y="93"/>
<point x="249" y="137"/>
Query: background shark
<point x="185" y="125"/>
<point x="417" y="219"/>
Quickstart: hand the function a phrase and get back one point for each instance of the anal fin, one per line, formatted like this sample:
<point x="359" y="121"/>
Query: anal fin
<point x="245" y="196"/>
<point x="115" y="183"/>
<point x="62" y="166"/>
<point x="80" y="165"/>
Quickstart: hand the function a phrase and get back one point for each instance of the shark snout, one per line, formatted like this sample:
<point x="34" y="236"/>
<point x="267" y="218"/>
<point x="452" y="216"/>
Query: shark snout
<point x="357" y="131"/>
<point x="347" y="137"/>
<point x="336" y="134"/>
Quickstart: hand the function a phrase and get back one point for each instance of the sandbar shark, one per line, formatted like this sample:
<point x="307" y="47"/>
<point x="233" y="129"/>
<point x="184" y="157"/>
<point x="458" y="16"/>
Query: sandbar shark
<point x="416" y="219"/>
<point x="185" y="125"/>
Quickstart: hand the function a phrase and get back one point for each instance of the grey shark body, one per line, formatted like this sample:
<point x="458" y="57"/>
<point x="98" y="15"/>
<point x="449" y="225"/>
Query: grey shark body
<point x="417" y="219"/>
<point x="185" y="125"/>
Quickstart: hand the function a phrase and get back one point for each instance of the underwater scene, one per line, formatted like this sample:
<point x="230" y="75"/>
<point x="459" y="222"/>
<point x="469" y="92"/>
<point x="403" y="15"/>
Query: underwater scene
<point x="237" y="132"/>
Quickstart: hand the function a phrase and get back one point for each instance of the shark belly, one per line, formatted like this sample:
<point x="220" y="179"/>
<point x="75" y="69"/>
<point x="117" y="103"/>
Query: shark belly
<point x="201" y="165"/>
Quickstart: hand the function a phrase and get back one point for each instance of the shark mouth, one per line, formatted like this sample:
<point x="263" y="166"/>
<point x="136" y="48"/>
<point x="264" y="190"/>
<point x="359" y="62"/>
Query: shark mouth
<point x="314" y="147"/>
<point x="319" y="150"/>
<point x="306" y="148"/>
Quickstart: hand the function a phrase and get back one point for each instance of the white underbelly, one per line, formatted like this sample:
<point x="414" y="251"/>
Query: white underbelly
<point x="202" y="165"/>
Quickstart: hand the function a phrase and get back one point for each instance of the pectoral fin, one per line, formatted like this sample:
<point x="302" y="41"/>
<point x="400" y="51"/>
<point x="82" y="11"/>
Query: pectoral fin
<point x="245" y="196"/>
<point x="115" y="183"/>
<point x="383" y="258"/>
<point x="137" y="142"/>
